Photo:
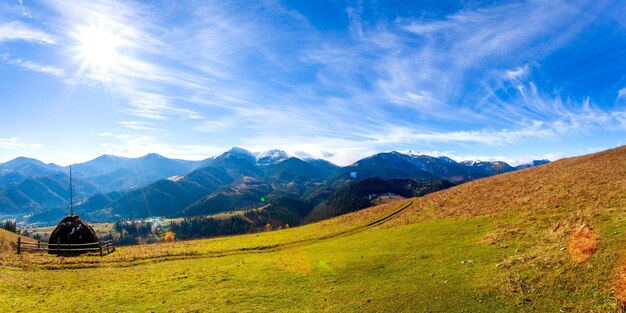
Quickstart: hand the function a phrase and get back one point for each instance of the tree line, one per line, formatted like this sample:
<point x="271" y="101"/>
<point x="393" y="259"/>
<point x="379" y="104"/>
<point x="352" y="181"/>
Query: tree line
<point x="10" y="225"/>
<point x="281" y="212"/>
<point x="131" y="232"/>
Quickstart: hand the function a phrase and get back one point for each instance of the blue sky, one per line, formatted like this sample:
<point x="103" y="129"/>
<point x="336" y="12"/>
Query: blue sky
<point x="340" y="80"/>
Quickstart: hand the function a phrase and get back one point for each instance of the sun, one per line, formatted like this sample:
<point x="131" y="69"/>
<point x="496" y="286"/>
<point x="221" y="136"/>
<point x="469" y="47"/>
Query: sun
<point x="97" y="48"/>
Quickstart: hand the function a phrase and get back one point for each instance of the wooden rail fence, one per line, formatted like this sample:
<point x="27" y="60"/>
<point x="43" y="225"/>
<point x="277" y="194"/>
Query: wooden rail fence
<point x="58" y="248"/>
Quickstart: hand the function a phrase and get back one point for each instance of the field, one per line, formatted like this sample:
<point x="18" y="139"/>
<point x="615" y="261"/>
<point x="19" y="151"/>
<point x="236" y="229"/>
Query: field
<point x="6" y="238"/>
<point x="101" y="229"/>
<point x="339" y="265"/>
<point x="502" y="244"/>
<point x="105" y="229"/>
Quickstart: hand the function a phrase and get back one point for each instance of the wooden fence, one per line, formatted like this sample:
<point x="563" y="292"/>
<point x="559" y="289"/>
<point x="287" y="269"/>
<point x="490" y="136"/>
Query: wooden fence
<point x="59" y="248"/>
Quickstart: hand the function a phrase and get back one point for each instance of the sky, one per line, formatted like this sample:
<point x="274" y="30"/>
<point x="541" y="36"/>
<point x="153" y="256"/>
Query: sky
<point x="338" y="80"/>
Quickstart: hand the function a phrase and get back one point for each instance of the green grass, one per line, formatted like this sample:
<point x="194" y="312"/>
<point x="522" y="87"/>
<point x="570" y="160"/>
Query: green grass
<point x="341" y="265"/>
<point x="492" y="245"/>
<point x="356" y="272"/>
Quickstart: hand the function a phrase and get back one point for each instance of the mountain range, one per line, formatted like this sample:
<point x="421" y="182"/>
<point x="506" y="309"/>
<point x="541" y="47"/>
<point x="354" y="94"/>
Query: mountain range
<point x="112" y="187"/>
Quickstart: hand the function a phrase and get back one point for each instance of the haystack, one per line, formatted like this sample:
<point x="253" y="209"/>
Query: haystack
<point x="72" y="230"/>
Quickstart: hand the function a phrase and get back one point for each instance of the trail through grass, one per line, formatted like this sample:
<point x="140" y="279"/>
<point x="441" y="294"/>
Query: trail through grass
<point x="493" y="245"/>
<point x="352" y="269"/>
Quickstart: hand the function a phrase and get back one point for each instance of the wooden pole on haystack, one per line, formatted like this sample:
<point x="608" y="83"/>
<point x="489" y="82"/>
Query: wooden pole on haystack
<point x="71" y="204"/>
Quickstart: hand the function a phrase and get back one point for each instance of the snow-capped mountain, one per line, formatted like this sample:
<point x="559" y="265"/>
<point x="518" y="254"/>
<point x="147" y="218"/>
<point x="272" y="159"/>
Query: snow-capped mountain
<point x="489" y="167"/>
<point x="271" y="157"/>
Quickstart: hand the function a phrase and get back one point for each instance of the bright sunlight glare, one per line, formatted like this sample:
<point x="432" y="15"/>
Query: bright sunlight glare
<point x="97" y="48"/>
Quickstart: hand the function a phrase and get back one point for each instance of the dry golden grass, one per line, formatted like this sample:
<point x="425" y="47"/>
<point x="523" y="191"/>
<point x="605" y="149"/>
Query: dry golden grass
<point x="208" y="248"/>
<point x="7" y="237"/>
<point x="583" y="184"/>
<point x="537" y="210"/>
<point x="619" y="286"/>
<point x="583" y="244"/>
<point x="504" y="242"/>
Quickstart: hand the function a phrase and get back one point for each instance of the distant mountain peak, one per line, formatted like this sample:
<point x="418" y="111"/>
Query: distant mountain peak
<point x="153" y="156"/>
<point x="19" y="159"/>
<point x="237" y="153"/>
<point x="271" y="157"/>
<point x="274" y="153"/>
<point x="23" y="160"/>
<point x="237" y="150"/>
<point x="413" y="153"/>
<point x="472" y="162"/>
<point x="432" y="154"/>
<point x="109" y="157"/>
<point x="445" y="158"/>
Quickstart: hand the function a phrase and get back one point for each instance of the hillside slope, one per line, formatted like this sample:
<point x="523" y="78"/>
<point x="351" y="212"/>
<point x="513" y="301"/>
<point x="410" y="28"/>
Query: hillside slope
<point x="499" y="244"/>
<point x="6" y="237"/>
<point x="589" y="183"/>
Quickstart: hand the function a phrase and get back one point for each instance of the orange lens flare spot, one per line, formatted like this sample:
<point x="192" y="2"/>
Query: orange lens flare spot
<point x="583" y="244"/>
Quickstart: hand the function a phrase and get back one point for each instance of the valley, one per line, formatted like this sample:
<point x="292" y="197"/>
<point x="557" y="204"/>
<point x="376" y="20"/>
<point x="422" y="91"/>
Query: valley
<point x="312" y="156"/>
<point x="494" y="244"/>
<point x="38" y="193"/>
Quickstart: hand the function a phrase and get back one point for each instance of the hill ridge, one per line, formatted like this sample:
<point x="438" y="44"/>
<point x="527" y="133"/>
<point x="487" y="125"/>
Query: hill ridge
<point x="576" y="183"/>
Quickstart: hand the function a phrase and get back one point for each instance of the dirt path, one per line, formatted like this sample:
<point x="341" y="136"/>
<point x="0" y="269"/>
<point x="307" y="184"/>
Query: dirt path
<point x="97" y="262"/>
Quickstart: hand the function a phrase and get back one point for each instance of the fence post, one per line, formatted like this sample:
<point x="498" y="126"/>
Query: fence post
<point x="108" y="244"/>
<point x="19" y="244"/>
<point x="100" y="245"/>
<point x="58" y="245"/>
<point x="38" y="244"/>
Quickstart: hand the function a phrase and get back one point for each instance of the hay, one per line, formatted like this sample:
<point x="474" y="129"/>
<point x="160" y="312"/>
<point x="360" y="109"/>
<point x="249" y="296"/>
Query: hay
<point x="72" y="230"/>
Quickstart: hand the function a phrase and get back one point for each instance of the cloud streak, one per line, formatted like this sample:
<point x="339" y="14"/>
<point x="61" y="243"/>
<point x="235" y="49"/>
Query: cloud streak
<point x="17" y="31"/>
<point x="134" y="75"/>
<point x="140" y="145"/>
<point x="14" y="143"/>
<point x="270" y="74"/>
<point x="32" y="66"/>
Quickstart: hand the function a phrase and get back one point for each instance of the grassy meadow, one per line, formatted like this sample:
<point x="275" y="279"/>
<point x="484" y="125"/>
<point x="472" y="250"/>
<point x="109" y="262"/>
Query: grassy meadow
<point x="500" y="244"/>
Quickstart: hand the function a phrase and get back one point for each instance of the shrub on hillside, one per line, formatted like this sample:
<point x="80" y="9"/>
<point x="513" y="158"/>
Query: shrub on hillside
<point x="169" y="236"/>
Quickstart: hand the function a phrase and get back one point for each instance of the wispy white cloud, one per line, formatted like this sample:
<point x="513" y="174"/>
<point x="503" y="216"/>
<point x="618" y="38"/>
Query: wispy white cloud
<point x="12" y="31"/>
<point x="513" y="161"/>
<point x="15" y="143"/>
<point x="138" y="145"/>
<point x="445" y="69"/>
<point x="165" y="70"/>
<point x="340" y="151"/>
<point x="135" y="72"/>
<point x="216" y="126"/>
<point x="138" y="125"/>
<point x="518" y="73"/>
<point x="32" y="66"/>
<point x="488" y="137"/>
<point x="344" y="149"/>
<point x="261" y="75"/>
